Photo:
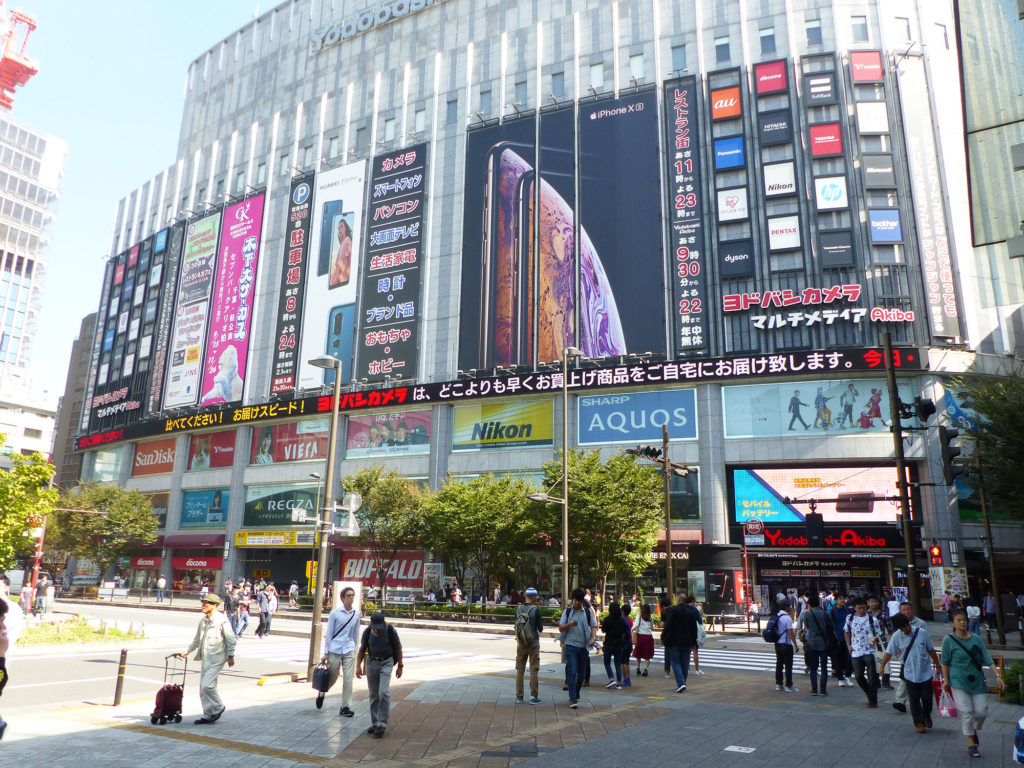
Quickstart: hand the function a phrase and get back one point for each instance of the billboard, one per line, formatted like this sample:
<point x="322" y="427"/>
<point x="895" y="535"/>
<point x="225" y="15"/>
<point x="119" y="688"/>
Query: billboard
<point x="726" y="104"/>
<point x="866" y="66"/>
<point x="779" y="179"/>
<point x="688" y="262"/>
<point x="272" y="505"/>
<point x="159" y="501"/>
<point x="328" y="313"/>
<point x="503" y="425"/>
<point x="736" y="258"/>
<point x="775" y="127"/>
<point x="192" y="305"/>
<point x="212" y="450"/>
<point x="729" y="153"/>
<point x="820" y="89"/>
<point x="836" y="248"/>
<point x="234" y="294"/>
<point x="732" y="204"/>
<point x="830" y="193"/>
<point x="632" y="417"/>
<point x="154" y="458"/>
<point x="388" y="335"/>
<point x="288" y="320"/>
<point x="826" y="140"/>
<point x="206" y="508"/>
<point x="295" y="441"/>
<point x="885" y="225"/>
<point x="872" y="117"/>
<point x="404" y="572"/>
<point x="770" y="77"/>
<point x="879" y="172"/>
<point x="784" y="233"/>
<point x="396" y="433"/>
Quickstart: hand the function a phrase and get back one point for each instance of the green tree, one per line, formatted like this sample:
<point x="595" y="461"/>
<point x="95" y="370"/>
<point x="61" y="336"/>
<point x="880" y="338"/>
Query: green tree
<point x="103" y="522"/>
<point x="615" y="513"/>
<point x="389" y="518"/>
<point x="26" y="500"/>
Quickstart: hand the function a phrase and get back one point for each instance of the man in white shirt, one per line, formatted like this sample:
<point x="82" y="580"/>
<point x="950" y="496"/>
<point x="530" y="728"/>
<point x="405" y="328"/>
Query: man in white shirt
<point x="215" y="645"/>
<point x="342" y="637"/>
<point x="863" y="636"/>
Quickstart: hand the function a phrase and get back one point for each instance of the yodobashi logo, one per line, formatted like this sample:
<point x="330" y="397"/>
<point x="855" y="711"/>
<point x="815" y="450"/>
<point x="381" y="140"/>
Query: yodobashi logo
<point x="301" y="194"/>
<point x="616" y="111"/>
<point x="157" y="456"/>
<point x="831" y="192"/>
<point x="363" y="21"/>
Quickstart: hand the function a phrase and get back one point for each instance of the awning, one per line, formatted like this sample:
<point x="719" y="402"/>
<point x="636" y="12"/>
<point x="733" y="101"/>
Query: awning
<point x="194" y="540"/>
<point x="683" y="536"/>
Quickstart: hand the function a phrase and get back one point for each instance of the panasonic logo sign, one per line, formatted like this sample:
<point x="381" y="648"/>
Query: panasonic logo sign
<point x="364" y="21"/>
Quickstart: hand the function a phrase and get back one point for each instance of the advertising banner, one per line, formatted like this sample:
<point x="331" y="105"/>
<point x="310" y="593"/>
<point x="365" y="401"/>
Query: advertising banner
<point x="885" y="225"/>
<point x="779" y="179"/>
<point x="272" y="505"/>
<point x="503" y="425"/>
<point x="784" y="233"/>
<point x="637" y="417"/>
<point x="820" y="89"/>
<point x="729" y="153"/>
<point x="397" y="433"/>
<point x="280" y="538"/>
<point x="99" y="344"/>
<point x="687" y="259"/>
<point x="206" y="508"/>
<point x="837" y="248"/>
<point x="145" y="561"/>
<point x="288" y="328"/>
<point x="872" y="117"/>
<point x="212" y="450"/>
<point x="736" y="258"/>
<point x="866" y="66"/>
<point x="388" y="335"/>
<point x="154" y="458"/>
<point x="775" y="127"/>
<point x="830" y="193"/>
<point x="826" y="140"/>
<point x="190" y="562"/>
<point x="726" y="103"/>
<point x="191" y="311"/>
<point x="770" y="77"/>
<point x="404" y="572"/>
<point x="942" y="580"/>
<point x="159" y="501"/>
<point x="836" y="406"/>
<point x="732" y="204"/>
<point x="878" y="171"/>
<point x="234" y="294"/>
<point x="297" y="441"/>
<point x="329" y="305"/>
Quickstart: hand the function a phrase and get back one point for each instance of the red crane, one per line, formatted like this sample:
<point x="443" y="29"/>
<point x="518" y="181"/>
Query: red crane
<point x="15" y="67"/>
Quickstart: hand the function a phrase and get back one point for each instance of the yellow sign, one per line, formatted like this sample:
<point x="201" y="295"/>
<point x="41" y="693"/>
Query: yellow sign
<point x="503" y="425"/>
<point x="282" y="538"/>
<point x="261" y="573"/>
<point x="311" y="568"/>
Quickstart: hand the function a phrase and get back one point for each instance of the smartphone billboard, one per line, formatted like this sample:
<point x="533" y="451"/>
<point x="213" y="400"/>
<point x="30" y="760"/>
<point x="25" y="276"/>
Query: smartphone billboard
<point x="328" y="323"/>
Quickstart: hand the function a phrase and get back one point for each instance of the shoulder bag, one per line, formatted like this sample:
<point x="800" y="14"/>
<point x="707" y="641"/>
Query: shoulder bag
<point x="906" y="653"/>
<point x="974" y="659"/>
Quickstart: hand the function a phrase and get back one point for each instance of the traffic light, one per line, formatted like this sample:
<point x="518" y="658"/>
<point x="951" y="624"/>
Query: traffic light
<point x="949" y="454"/>
<point x="647" y="451"/>
<point x="815" y="528"/>
<point x="924" y="409"/>
<point x="936" y="553"/>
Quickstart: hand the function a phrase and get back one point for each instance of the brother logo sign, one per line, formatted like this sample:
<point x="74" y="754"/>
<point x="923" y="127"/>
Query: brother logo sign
<point x="364" y="21"/>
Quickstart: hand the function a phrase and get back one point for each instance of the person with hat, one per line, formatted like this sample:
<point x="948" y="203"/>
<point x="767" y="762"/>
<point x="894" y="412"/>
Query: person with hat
<point x="214" y="644"/>
<point x="380" y="651"/>
<point x="528" y="625"/>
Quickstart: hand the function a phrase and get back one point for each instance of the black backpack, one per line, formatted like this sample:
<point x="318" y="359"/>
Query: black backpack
<point x="771" y="632"/>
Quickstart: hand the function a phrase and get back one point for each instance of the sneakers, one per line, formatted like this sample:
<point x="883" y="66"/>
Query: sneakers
<point x="779" y="687"/>
<point x="814" y="693"/>
<point x="573" y="703"/>
<point x="519" y="699"/>
<point x="668" y="676"/>
<point x="378" y="731"/>
<point x="681" y="688"/>
<point x="320" y="700"/>
<point x="618" y="687"/>
<point x="611" y="684"/>
<point x="644" y="673"/>
<point x="372" y="729"/>
<point x="698" y="672"/>
<point x="792" y="689"/>
<point x="346" y="712"/>
<point x="534" y="700"/>
<point x="626" y="683"/>
<point x="823" y="693"/>
<point x="899" y="706"/>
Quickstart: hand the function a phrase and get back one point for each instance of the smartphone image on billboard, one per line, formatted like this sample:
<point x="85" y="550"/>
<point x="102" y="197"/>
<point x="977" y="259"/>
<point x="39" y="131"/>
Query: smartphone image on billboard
<point x="340" y="339"/>
<point x="341" y="250"/>
<point x="328" y="235"/>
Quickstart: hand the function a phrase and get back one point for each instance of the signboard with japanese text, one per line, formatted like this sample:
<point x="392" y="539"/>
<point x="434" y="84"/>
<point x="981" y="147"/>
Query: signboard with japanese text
<point x="98" y="342"/>
<point x="520" y="424"/>
<point x="388" y="324"/>
<point x="395" y="433"/>
<point x="636" y="417"/>
<point x="232" y="305"/>
<point x="732" y="204"/>
<point x="811" y="306"/>
<point x="206" y="508"/>
<point x="280" y="538"/>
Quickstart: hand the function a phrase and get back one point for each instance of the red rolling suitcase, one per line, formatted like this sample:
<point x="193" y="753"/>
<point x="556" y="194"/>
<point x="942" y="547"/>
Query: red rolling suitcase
<point x="169" y="697"/>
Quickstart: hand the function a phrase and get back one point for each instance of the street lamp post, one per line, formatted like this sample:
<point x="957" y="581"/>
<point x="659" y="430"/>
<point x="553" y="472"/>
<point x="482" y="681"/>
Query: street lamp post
<point x="312" y="556"/>
<point x="567" y="352"/>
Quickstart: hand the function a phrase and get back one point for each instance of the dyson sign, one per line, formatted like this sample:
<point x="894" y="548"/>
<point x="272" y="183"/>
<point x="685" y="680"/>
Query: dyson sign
<point x="363" y="21"/>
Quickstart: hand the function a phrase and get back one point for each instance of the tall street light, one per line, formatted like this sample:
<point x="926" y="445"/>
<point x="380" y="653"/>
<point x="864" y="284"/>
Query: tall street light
<point x="318" y="477"/>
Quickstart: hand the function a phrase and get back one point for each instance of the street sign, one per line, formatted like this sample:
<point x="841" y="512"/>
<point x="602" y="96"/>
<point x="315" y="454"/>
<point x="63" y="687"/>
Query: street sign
<point x="754" y="540"/>
<point x="753" y="527"/>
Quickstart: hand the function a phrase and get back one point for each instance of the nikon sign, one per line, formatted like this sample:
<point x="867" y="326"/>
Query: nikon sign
<point x="364" y="21"/>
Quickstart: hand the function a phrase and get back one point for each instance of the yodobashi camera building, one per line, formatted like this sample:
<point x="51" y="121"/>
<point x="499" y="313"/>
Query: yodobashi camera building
<point x="723" y="213"/>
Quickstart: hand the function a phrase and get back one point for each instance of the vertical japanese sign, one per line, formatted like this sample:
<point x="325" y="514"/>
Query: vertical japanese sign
<point x="97" y="343"/>
<point x="191" y="311"/>
<point x="685" y="225"/>
<point x="932" y="235"/>
<point x="162" y="332"/>
<point x="227" y="345"/>
<point x="293" y="281"/>
<point x="388" y="324"/>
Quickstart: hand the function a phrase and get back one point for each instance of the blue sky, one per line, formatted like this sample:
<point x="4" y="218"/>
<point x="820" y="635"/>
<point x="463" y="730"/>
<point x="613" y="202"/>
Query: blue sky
<point x="110" y="83"/>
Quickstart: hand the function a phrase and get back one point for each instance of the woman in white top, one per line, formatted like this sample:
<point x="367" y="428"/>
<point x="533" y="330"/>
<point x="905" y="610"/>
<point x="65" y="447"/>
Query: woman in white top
<point x="643" y="640"/>
<point x="973" y="617"/>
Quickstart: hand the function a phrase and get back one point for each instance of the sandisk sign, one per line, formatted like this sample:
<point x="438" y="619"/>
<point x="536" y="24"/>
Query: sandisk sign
<point x="725" y="103"/>
<point x="206" y="563"/>
<point x="154" y="458"/>
<point x="405" y="569"/>
<point x="145" y="562"/>
<point x="770" y="77"/>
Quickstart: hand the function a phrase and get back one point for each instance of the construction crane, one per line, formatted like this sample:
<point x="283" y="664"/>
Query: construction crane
<point x="15" y="67"/>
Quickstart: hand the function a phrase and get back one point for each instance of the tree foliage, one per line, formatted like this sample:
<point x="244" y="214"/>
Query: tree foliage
<point x="389" y="518"/>
<point x="25" y="503"/>
<point x="124" y="524"/>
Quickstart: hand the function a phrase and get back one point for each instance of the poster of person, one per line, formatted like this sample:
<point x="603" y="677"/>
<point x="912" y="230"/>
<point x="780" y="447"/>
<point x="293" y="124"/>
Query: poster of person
<point x="404" y="433"/>
<point x="433" y="578"/>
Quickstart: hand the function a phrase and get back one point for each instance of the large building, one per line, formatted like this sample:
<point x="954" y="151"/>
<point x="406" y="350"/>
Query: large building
<point x="66" y="460"/>
<point x="737" y="201"/>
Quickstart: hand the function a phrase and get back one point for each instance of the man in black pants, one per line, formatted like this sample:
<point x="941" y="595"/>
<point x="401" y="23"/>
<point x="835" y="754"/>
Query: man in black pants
<point x="379" y="652"/>
<point x="664" y="603"/>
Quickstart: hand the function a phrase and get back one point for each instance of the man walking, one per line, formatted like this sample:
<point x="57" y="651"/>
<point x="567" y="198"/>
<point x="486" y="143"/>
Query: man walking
<point x="681" y="636"/>
<point x="862" y="638"/>
<point x="293" y="594"/>
<point x="161" y="585"/>
<point x="579" y="628"/>
<point x="214" y="644"/>
<point x="842" y="670"/>
<point x="528" y="625"/>
<point x="785" y="648"/>
<point x="231" y="598"/>
<point x="42" y="587"/>
<point x="342" y="632"/>
<point x="380" y="651"/>
<point x="913" y="648"/>
<point x="906" y="609"/>
<point x="267" y="600"/>
<point x="884" y="625"/>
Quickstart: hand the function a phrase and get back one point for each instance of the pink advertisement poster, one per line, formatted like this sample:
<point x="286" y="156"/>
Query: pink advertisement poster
<point x="233" y="294"/>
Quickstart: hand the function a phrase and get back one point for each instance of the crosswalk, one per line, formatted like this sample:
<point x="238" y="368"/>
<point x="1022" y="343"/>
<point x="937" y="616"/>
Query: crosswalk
<point x="295" y="651"/>
<point x="751" y="661"/>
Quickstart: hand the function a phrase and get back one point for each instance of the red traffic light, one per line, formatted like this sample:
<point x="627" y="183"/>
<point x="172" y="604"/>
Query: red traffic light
<point x="936" y="554"/>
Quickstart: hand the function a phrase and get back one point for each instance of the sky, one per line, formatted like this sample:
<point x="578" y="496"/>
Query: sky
<point x="111" y="83"/>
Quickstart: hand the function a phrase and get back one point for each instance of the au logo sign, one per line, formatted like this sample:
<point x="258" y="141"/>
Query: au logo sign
<point x="726" y="104"/>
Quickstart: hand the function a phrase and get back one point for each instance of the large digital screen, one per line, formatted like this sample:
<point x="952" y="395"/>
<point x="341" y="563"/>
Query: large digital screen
<point x="396" y="433"/>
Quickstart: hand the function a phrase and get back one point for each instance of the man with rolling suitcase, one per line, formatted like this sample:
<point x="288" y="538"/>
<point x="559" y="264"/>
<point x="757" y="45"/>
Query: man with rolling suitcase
<point x="214" y="644"/>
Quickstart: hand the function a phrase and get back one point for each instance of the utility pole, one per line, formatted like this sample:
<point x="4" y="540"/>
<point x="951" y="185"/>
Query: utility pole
<point x="1000" y="629"/>
<point x="669" y="570"/>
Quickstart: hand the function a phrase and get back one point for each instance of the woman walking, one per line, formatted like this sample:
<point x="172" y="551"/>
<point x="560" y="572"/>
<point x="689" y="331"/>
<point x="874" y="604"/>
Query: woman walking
<point x="963" y="656"/>
<point x="614" y="629"/>
<point x="643" y="640"/>
<point x="627" y="643"/>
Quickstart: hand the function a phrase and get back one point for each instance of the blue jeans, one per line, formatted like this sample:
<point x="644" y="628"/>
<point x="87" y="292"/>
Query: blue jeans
<point x="680" y="656"/>
<point x="241" y="623"/>
<point x="575" y="669"/>
<point x="975" y="626"/>
<point x="159" y="595"/>
<point x="613" y="656"/>
<point x="816" y="659"/>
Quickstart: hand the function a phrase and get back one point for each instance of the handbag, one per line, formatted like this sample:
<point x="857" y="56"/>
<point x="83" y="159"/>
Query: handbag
<point x="702" y="636"/>
<point x="321" y="678"/>
<point x="947" y="705"/>
<point x="937" y="689"/>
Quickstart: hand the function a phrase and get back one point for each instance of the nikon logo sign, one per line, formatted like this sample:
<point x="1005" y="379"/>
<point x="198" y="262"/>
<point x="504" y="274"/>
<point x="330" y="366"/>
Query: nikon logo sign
<point x="364" y="21"/>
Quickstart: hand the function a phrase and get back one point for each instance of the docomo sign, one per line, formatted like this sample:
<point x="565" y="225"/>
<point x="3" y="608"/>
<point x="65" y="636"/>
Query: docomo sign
<point x="770" y="77"/>
<point x="364" y="21"/>
<point x="206" y="563"/>
<point x="145" y="562"/>
<point x="405" y="570"/>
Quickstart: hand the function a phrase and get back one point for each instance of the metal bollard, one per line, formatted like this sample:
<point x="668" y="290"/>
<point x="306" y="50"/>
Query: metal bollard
<point x="120" y="677"/>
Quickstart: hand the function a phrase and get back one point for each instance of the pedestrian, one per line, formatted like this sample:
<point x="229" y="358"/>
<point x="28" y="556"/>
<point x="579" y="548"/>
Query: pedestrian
<point x="973" y="616"/>
<point x="893" y="605"/>
<point x="818" y="634"/>
<point x="680" y="635"/>
<point x="988" y="609"/>
<point x="914" y="647"/>
<point x="692" y="602"/>
<point x="4" y="645"/>
<point x="963" y="656"/>
<point x="627" y="642"/>
<point x="26" y="598"/>
<point x="580" y="628"/>
<point x="497" y="594"/>
<point x="947" y="600"/>
<point x="380" y="652"/>
<point x="340" y="649"/>
<point x="902" y="696"/>
<point x="785" y="647"/>
<point x="614" y="639"/>
<point x="884" y="624"/>
<point x="39" y="606"/>
<point x="643" y="640"/>
<point x="529" y="625"/>
<point x="245" y="608"/>
<point x="842" y="669"/>
<point x="664" y="603"/>
<point x="231" y="599"/>
<point x="161" y="585"/>
<point x="214" y="644"/>
<point x="267" y="601"/>
<point x="293" y="594"/>
<point x="862" y="639"/>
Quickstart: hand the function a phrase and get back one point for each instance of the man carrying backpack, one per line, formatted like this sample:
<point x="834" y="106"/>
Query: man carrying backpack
<point x="528" y="628"/>
<point x="781" y="633"/>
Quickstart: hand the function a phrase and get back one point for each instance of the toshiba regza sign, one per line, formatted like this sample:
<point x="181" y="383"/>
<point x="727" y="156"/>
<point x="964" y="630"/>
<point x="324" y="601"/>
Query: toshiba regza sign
<point x="637" y="417"/>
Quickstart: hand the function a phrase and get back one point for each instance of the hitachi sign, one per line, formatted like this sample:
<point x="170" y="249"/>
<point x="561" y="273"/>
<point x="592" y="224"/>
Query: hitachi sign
<point x="379" y="15"/>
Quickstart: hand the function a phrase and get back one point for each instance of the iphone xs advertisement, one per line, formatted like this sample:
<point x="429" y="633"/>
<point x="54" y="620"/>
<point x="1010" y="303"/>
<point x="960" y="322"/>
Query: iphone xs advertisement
<point x="583" y="272"/>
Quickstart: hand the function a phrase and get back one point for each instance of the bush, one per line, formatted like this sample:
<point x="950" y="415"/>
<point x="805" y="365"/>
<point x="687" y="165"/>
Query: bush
<point x="1013" y="694"/>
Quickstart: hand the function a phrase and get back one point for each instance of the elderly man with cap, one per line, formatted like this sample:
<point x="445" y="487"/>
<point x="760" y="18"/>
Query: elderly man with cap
<point x="214" y="644"/>
<point x="528" y="625"/>
<point x="380" y="651"/>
